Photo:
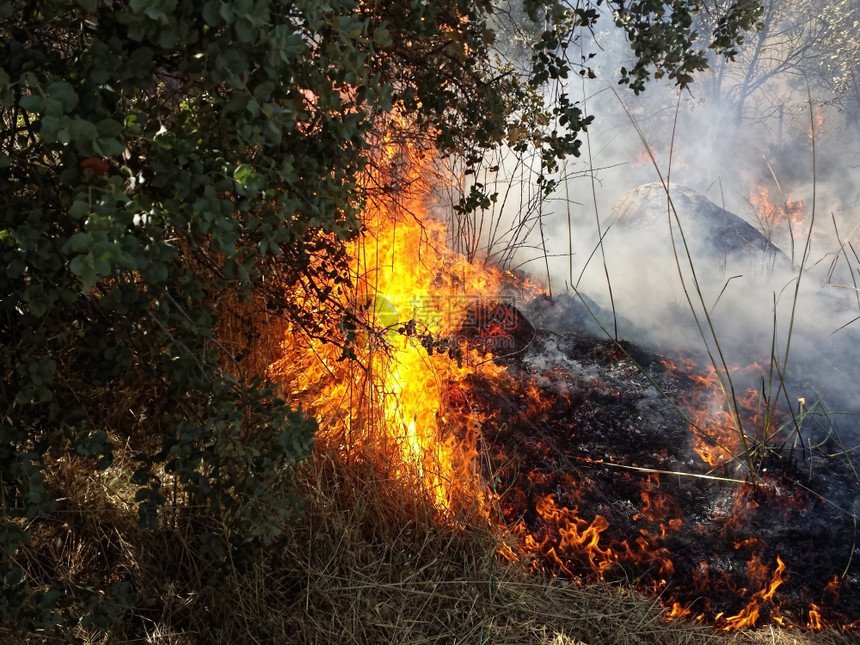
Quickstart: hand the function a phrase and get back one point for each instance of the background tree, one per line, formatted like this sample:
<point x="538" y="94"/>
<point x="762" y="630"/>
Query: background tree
<point x="840" y="54"/>
<point x="783" y="47"/>
<point x="798" y="46"/>
<point x="162" y="159"/>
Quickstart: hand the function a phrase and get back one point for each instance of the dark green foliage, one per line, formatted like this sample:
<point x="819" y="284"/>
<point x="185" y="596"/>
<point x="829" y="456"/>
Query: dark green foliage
<point x="159" y="158"/>
<point x="155" y="161"/>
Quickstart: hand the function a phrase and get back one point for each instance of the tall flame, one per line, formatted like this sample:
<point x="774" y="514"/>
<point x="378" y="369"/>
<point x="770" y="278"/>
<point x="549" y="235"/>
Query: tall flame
<point x="395" y="320"/>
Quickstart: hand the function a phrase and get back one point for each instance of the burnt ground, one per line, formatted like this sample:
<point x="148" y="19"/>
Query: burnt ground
<point x="596" y="473"/>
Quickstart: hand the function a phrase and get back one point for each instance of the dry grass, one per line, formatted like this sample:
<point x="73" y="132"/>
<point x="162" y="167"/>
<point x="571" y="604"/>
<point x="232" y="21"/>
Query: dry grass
<point x="355" y="570"/>
<point x="370" y="573"/>
<point x="365" y="562"/>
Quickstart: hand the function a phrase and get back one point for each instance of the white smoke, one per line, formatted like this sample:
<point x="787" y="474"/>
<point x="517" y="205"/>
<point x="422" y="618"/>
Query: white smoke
<point x="700" y="140"/>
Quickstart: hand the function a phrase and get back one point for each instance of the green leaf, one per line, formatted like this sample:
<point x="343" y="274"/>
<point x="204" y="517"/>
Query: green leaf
<point x="84" y="266"/>
<point x="243" y="172"/>
<point x="79" y="243"/>
<point x="237" y="103"/>
<point x="244" y="31"/>
<point x="54" y="108"/>
<point x="108" y="147"/>
<point x="263" y="91"/>
<point x="50" y="598"/>
<point x="80" y="208"/>
<point x="211" y="13"/>
<point x="109" y="128"/>
<point x="226" y="11"/>
<point x="37" y="300"/>
<point x="83" y="131"/>
<point x="64" y="93"/>
<point x="157" y="10"/>
<point x="94" y="445"/>
<point x="382" y="37"/>
<point x="155" y="272"/>
<point x="168" y="36"/>
<point x="100" y="75"/>
<point x="349" y="27"/>
<point x="15" y="268"/>
<point x="287" y="43"/>
<point x="32" y="103"/>
<point x="6" y="97"/>
<point x="50" y="129"/>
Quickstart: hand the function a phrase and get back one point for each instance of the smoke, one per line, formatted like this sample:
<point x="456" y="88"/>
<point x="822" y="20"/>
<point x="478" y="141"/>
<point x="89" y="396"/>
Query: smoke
<point x="780" y="157"/>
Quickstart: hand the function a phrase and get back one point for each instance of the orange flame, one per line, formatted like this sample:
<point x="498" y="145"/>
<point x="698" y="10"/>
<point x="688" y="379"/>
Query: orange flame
<point x="714" y="426"/>
<point x="814" y="621"/>
<point x="816" y="127"/>
<point x="659" y="507"/>
<point x="771" y="216"/>
<point x="387" y="405"/>
<point x="749" y="615"/>
<point x="393" y="404"/>
<point x="577" y="539"/>
<point x="720" y="425"/>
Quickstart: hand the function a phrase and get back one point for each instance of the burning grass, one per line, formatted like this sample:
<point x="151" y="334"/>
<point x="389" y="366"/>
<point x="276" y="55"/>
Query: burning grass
<point x="365" y="562"/>
<point x="366" y="565"/>
<point x="426" y="419"/>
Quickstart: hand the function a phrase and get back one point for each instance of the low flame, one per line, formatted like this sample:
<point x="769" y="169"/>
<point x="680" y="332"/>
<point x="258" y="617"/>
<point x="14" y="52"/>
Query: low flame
<point x="814" y="617"/>
<point x="721" y="425"/>
<point x="749" y="615"/>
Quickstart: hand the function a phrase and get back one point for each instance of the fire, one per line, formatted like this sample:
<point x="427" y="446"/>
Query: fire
<point x="831" y="591"/>
<point x="395" y="320"/>
<point x="659" y="507"/>
<point x="723" y="425"/>
<point x="391" y="385"/>
<point x="580" y="548"/>
<point x="817" y="124"/>
<point x="749" y="615"/>
<point x="814" y="617"/>
<point x="577" y="536"/>
<point x="771" y="216"/>
<point x="714" y="425"/>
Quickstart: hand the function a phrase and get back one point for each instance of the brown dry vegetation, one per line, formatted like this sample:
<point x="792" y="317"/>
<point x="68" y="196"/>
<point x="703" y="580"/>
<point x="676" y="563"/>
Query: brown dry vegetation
<point x="363" y="562"/>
